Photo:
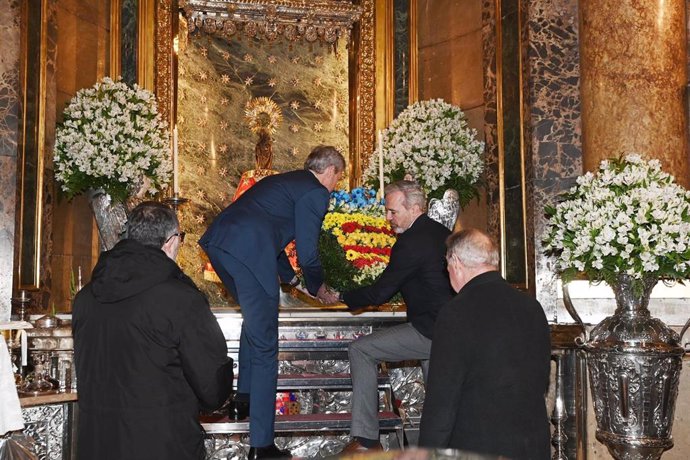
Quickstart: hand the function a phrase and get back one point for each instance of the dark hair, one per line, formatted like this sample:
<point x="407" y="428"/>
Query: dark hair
<point x="151" y="224"/>
<point x="412" y="191"/>
<point x="323" y="156"/>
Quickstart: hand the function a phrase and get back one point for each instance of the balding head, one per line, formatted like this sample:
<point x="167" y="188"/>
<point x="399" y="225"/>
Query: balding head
<point x="473" y="248"/>
<point x="471" y="252"/>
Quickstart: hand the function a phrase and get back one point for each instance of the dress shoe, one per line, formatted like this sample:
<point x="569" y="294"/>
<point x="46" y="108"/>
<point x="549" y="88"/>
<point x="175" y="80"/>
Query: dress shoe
<point x="355" y="447"/>
<point x="267" y="452"/>
<point x="238" y="410"/>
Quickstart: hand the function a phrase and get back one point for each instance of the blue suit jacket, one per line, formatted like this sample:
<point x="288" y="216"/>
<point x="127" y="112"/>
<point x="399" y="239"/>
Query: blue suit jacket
<point x="256" y="228"/>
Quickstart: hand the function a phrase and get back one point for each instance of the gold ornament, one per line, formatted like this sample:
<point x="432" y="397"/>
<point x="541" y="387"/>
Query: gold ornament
<point x="262" y="114"/>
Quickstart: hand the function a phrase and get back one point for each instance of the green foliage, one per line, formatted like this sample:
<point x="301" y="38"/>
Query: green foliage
<point x="339" y="273"/>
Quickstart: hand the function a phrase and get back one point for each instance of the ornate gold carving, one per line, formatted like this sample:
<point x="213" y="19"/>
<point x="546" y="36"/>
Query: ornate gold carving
<point x="363" y="102"/>
<point x="326" y="20"/>
<point x="163" y="75"/>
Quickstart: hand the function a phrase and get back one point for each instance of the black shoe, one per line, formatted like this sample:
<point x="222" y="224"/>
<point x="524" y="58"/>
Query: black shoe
<point x="268" y="452"/>
<point x="238" y="410"/>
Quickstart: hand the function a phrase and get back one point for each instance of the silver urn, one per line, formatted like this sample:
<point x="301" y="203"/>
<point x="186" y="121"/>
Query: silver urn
<point x="634" y="364"/>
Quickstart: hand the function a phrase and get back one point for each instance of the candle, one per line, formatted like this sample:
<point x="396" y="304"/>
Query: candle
<point x="380" y="139"/>
<point x="176" y="175"/>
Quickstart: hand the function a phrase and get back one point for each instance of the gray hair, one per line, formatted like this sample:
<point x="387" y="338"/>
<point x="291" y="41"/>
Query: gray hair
<point x="473" y="248"/>
<point x="324" y="156"/>
<point x="412" y="191"/>
<point x="151" y="224"/>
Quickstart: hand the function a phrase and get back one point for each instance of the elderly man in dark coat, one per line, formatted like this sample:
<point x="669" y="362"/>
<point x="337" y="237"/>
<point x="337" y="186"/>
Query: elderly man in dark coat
<point x="490" y="361"/>
<point x="149" y="353"/>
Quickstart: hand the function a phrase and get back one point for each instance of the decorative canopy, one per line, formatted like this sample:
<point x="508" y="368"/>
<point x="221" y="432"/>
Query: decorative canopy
<point x="325" y="20"/>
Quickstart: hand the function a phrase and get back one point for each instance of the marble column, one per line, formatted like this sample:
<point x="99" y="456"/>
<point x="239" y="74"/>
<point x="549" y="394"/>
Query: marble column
<point x="9" y="111"/>
<point x="633" y="73"/>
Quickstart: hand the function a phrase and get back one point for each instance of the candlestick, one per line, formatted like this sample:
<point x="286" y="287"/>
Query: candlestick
<point x="176" y="175"/>
<point x="175" y="201"/>
<point x="380" y="139"/>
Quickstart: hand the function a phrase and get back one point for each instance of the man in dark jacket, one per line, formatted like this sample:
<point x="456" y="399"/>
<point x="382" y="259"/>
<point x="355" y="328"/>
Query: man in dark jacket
<point x="417" y="270"/>
<point x="490" y="361"/>
<point x="149" y="353"/>
<point x="246" y="246"/>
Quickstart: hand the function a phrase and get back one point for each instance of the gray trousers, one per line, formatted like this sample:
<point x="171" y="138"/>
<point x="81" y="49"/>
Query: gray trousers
<point x="398" y="343"/>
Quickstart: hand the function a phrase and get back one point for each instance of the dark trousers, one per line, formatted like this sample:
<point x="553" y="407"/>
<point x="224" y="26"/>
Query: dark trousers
<point x="258" y="357"/>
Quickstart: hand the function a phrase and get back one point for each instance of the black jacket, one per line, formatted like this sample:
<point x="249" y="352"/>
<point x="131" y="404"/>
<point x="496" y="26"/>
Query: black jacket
<point x="417" y="269"/>
<point x="489" y="372"/>
<point x="149" y="353"/>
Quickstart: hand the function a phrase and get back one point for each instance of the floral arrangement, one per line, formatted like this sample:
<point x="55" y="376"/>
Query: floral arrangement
<point x="430" y="141"/>
<point x="112" y="138"/>
<point x="356" y="240"/>
<point x="630" y="218"/>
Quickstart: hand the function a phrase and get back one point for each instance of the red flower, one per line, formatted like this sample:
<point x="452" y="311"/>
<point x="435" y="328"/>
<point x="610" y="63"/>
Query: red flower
<point x="384" y="230"/>
<point x="349" y="227"/>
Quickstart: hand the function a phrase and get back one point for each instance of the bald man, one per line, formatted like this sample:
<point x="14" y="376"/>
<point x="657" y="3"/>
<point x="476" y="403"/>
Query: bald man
<point x="490" y="361"/>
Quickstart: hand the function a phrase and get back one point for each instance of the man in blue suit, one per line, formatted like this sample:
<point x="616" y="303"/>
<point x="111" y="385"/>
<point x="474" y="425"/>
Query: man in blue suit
<point x="245" y="245"/>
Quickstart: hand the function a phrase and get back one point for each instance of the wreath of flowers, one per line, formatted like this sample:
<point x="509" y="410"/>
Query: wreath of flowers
<point x="262" y="114"/>
<point x="112" y="138"/>
<point x="356" y="239"/>
<point x="431" y="141"/>
<point x="630" y="218"/>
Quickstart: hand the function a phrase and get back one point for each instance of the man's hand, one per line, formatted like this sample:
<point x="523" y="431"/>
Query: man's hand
<point x="326" y="295"/>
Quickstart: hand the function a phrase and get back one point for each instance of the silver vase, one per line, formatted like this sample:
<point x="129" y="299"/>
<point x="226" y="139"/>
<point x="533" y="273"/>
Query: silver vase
<point x="445" y="211"/>
<point x="110" y="215"/>
<point x="634" y="364"/>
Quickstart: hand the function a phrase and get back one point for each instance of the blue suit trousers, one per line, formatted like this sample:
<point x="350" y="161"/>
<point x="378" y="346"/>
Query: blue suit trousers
<point x="258" y="356"/>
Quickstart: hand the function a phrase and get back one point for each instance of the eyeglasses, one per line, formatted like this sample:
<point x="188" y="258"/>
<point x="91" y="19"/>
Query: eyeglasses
<point x="179" y="234"/>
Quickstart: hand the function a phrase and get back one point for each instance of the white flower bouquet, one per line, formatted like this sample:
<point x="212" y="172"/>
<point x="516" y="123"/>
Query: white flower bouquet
<point x="112" y="138"/>
<point x="630" y="218"/>
<point x="431" y="141"/>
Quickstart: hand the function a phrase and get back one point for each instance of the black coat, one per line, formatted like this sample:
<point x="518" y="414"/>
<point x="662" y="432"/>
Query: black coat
<point x="149" y="353"/>
<point x="489" y="373"/>
<point x="417" y="269"/>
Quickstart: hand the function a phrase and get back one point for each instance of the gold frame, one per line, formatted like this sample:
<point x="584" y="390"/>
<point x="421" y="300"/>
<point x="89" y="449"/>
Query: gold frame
<point x="385" y="72"/>
<point x="145" y="44"/>
<point x="35" y="121"/>
<point x="414" y="66"/>
<point x="115" y="43"/>
<point x="385" y="78"/>
<point x="501" y="145"/>
<point x="362" y="66"/>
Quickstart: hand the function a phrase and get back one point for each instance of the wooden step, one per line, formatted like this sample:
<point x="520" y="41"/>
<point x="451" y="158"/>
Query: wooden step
<point x="221" y="424"/>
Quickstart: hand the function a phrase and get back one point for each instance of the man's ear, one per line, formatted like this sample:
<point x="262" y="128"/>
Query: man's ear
<point x="167" y="245"/>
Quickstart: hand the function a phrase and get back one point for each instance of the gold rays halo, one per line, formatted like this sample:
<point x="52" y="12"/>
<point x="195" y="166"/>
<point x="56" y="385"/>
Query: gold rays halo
<point x="262" y="114"/>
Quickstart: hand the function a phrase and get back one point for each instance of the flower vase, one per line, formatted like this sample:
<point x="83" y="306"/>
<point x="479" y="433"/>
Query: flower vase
<point x="634" y="364"/>
<point x="110" y="215"/>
